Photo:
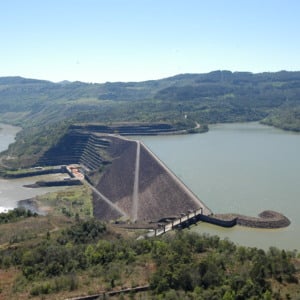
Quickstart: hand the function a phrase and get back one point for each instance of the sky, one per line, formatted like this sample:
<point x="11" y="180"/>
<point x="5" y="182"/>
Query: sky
<point x="136" y="40"/>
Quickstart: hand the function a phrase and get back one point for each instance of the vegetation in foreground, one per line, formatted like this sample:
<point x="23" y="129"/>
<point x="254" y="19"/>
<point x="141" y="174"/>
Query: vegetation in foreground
<point x="85" y="256"/>
<point x="70" y="202"/>
<point x="16" y="215"/>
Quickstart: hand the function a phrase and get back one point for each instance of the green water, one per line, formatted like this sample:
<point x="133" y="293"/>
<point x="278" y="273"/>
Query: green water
<point x="242" y="168"/>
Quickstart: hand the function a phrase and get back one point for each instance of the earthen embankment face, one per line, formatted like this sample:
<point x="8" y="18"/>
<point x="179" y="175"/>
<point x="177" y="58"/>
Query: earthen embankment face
<point x="159" y="194"/>
<point x="154" y="193"/>
<point x="117" y="180"/>
<point x="104" y="211"/>
<point x="178" y="185"/>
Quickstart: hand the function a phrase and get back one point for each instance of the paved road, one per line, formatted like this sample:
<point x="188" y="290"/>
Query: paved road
<point x="135" y="196"/>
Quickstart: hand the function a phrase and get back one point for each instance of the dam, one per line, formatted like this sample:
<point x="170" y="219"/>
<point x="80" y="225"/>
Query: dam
<point x="143" y="187"/>
<point x="130" y="183"/>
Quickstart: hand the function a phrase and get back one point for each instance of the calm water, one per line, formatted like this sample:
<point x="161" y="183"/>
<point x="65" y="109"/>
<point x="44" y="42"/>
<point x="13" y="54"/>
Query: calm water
<point x="11" y="191"/>
<point x="243" y="168"/>
<point x="7" y="135"/>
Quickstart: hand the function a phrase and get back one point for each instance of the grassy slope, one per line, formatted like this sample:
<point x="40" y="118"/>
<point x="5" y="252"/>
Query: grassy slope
<point x="70" y="202"/>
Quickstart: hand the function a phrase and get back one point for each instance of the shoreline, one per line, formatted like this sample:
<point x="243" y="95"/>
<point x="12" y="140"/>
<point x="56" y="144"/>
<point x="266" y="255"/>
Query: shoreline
<point x="30" y="204"/>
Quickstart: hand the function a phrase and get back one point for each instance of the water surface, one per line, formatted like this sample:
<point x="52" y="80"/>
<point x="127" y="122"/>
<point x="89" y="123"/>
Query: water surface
<point x="242" y="168"/>
<point x="12" y="190"/>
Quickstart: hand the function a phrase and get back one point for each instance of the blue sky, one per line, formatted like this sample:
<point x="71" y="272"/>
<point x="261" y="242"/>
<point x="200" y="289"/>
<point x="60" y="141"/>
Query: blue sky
<point x="135" y="40"/>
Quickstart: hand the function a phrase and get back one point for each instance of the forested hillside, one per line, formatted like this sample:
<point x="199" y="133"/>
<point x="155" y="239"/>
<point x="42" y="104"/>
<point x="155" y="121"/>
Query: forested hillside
<point x="208" y="96"/>
<point x="88" y="257"/>
<point x="219" y="96"/>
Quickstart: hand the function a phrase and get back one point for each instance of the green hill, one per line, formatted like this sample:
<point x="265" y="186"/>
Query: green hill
<point x="48" y="108"/>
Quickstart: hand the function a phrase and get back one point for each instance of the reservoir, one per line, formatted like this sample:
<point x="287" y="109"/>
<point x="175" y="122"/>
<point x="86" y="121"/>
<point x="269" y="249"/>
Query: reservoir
<point x="11" y="191"/>
<point x="241" y="168"/>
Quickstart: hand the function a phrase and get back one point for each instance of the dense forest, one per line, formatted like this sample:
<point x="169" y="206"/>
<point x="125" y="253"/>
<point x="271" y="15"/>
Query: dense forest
<point x="45" y="109"/>
<point x="87" y="256"/>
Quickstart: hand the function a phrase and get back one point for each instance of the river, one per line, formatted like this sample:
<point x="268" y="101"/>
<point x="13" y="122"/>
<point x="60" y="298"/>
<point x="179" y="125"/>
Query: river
<point x="242" y="168"/>
<point x="11" y="191"/>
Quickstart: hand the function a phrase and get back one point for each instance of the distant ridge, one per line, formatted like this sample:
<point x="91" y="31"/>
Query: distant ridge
<point x="278" y="75"/>
<point x="45" y="109"/>
<point x="20" y="80"/>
